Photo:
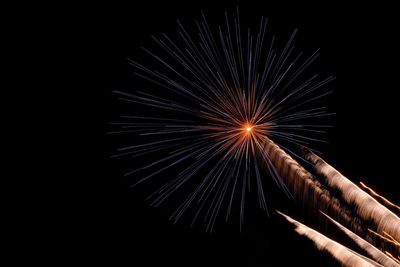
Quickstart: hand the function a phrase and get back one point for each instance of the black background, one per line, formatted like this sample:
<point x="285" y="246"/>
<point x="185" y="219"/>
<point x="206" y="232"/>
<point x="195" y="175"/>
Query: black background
<point x="115" y="225"/>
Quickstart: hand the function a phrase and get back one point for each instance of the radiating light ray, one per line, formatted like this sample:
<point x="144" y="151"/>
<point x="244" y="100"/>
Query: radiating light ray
<point x="375" y="194"/>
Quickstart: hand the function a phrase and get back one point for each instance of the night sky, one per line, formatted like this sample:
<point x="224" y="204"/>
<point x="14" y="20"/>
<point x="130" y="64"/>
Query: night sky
<point x="358" y="45"/>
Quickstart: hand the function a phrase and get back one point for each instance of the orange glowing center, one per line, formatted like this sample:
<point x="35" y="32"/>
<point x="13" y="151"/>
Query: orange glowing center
<point x="248" y="128"/>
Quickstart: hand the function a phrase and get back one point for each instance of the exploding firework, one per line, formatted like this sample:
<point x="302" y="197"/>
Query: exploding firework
<point x="228" y="105"/>
<point x="221" y="96"/>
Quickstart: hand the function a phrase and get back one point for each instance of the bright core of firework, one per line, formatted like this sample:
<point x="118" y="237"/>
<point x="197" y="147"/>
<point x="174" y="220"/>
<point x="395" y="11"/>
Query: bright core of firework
<point x="248" y="128"/>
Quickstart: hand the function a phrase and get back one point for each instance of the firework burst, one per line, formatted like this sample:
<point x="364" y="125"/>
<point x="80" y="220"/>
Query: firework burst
<point x="220" y="96"/>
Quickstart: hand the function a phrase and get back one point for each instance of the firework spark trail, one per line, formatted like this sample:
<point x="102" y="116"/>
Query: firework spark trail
<point x="382" y="198"/>
<point x="342" y="254"/>
<point x="393" y="257"/>
<point x="366" y="206"/>
<point x="389" y="239"/>
<point x="372" y="251"/>
<point x="306" y="189"/>
<point x="313" y="196"/>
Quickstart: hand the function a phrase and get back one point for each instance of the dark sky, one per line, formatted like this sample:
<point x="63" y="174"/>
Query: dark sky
<point x="359" y="46"/>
